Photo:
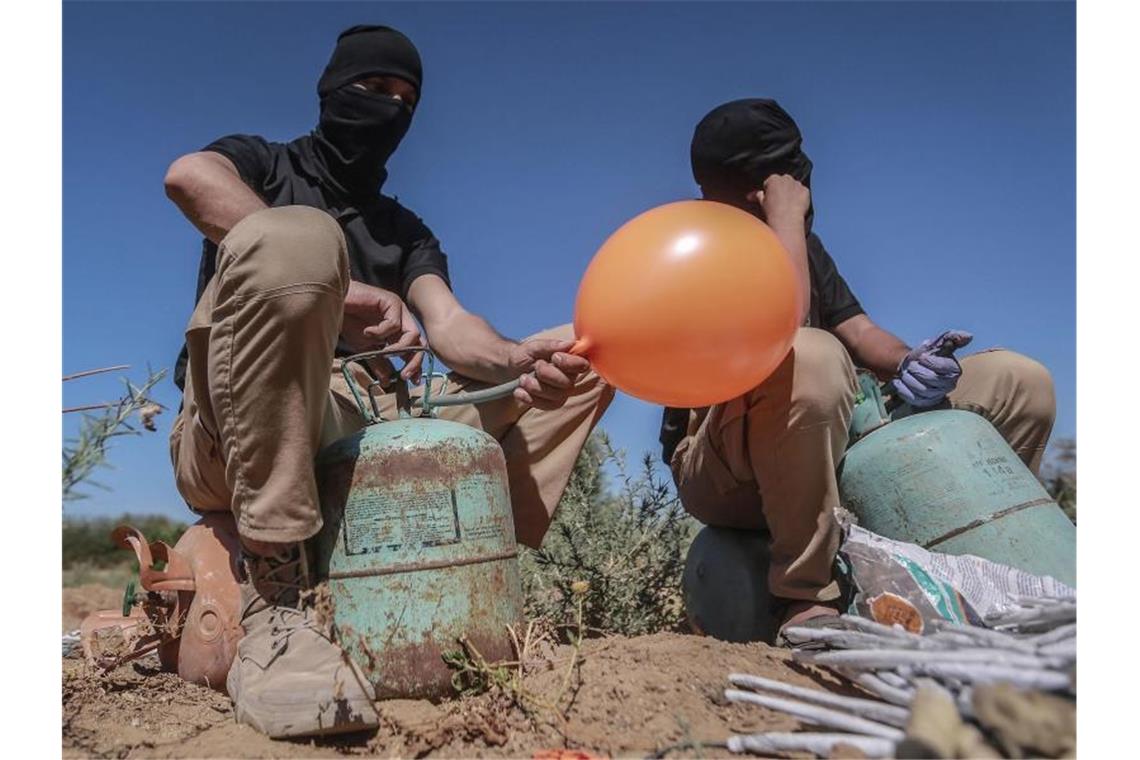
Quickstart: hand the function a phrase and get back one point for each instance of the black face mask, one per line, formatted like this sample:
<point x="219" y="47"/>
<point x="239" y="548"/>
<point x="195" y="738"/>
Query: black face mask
<point x="359" y="131"/>
<point x="740" y="144"/>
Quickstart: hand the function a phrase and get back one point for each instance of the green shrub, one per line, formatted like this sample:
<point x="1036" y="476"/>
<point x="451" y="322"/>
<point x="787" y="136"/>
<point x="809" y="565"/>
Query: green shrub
<point x="1059" y="474"/>
<point x="628" y="544"/>
<point x="87" y="541"/>
<point x="87" y="451"/>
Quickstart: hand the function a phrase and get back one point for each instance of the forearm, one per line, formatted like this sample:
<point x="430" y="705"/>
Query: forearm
<point x="882" y="354"/>
<point x="210" y="193"/>
<point x="791" y="233"/>
<point x="470" y="346"/>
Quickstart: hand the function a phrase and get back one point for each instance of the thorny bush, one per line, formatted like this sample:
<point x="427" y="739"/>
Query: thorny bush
<point x="87" y="540"/>
<point x="628" y="543"/>
<point x="1059" y="474"/>
<point x="87" y="452"/>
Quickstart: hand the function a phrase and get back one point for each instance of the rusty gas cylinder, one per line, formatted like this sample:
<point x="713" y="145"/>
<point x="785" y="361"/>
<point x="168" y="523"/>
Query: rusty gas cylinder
<point x="418" y="546"/>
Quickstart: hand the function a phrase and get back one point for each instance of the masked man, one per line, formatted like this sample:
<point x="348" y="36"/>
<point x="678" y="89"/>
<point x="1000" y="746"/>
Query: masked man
<point x="768" y="458"/>
<point x="305" y="261"/>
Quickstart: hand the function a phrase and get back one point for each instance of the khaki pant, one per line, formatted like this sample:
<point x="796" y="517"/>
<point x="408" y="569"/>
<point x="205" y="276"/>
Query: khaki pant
<point x="263" y="392"/>
<point x="769" y="457"/>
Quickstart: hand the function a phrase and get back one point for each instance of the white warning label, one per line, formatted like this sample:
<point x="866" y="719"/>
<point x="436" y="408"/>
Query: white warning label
<point x="380" y="519"/>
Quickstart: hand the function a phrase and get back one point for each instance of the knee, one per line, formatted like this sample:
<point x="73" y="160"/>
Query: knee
<point x="286" y="246"/>
<point x="593" y="388"/>
<point x="823" y="376"/>
<point x="562" y="332"/>
<point x="1029" y="384"/>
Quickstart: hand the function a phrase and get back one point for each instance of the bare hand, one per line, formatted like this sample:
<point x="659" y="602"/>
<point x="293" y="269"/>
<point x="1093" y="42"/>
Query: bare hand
<point x="783" y="199"/>
<point x="375" y="318"/>
<point x="548" y="371"/>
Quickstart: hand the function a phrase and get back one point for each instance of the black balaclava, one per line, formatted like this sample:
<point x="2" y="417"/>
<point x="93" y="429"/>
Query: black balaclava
<point x="740" y="144"/>
<point x="359" y="130"/>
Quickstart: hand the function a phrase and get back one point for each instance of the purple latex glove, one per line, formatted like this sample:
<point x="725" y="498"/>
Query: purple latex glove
<point x="930" y="371"/>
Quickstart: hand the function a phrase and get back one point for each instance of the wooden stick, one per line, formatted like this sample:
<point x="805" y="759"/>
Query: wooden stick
<point x="985" y="636"/>
<point x="821" y="745"/>
<point x="1026" y="678"/>
<point x="892" y="658"/>
<point x="89" y="372"/>
<point x="896" y="695"/>
<point x="1057" y="634"/>
<point x="820" y="716"/>
<point x="884" y="713"/>
<point x="894" y="679"/>
<point x="847" y="639"/>
<point x="1066" y="648"/>
<point x="88" y="407"/>
<point x="856" y="623"/>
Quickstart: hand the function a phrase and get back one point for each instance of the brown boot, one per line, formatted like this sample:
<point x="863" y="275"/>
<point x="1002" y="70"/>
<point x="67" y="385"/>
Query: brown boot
<point x="798" y="613"/>
<point x="289" y="677"/>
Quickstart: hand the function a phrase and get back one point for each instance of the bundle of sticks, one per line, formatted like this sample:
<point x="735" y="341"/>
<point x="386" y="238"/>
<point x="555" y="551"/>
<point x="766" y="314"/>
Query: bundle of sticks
<point x="933" y="695"/>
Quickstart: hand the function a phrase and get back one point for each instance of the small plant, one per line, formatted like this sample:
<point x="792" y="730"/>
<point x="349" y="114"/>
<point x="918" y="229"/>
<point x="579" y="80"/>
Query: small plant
<point x="628" y="546"/>
<point x="88" y="450"/>
<point x="1060" y="475"/>
<point x="474" y="675"/>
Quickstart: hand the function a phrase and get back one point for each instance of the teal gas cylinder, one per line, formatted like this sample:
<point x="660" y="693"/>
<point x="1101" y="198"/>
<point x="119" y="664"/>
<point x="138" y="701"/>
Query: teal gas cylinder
<point x="946" y="480"/>
<point x="725" y="585"/>
<point x="943" y="479"/>
<point x="418" y="544"/>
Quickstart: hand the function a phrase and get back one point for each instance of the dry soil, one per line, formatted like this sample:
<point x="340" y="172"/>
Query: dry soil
<point x="630" y="697"/>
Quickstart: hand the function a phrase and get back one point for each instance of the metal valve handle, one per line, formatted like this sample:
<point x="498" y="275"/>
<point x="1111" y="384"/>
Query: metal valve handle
<point x="403" y="401"/>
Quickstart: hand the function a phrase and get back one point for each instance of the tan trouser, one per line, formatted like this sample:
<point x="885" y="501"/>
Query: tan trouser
<point x="768" y="458"/>
<point x="260" y="399"/>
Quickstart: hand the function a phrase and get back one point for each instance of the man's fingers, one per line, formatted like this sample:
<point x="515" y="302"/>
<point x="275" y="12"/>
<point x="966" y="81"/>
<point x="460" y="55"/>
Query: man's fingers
<point x="540" y="392"/>
<point x="413" y="368"/>
<point x="523" y="397"/>
<point x="942" y="365"/>
<point x="570" y="364"/>
<point x="383" y="330"/>
<point x="923" y="374"/>
<point x="382" y="368"/>
<point x="904" y="392"/>
<point x="413" y="359"/>
<point x="917" y="387"/>
<point x="407" y="340"/>
<point x="531" y="385"/>
<point x="548" y="374"/>
<point x="544" y="348"/>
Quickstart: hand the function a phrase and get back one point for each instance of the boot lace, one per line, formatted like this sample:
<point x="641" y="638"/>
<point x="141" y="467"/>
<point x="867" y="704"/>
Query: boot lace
<point x="278" y="582"/>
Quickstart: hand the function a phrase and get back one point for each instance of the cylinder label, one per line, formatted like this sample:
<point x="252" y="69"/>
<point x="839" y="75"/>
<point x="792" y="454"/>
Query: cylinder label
<point x="389" y="519"/>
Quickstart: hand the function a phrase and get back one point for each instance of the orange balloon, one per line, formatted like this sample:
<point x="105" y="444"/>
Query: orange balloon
<point x="688" y="304"/>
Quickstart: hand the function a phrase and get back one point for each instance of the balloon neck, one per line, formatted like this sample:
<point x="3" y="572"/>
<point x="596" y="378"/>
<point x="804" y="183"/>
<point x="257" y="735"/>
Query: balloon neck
<point x="581" y="347"/>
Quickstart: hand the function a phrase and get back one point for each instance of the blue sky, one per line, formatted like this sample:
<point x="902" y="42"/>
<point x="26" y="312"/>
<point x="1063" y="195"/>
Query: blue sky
<point x="943" y="136"/>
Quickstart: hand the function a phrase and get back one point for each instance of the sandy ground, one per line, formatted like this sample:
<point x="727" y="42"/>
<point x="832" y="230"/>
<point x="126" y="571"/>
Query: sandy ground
<point x="632" y="697"/>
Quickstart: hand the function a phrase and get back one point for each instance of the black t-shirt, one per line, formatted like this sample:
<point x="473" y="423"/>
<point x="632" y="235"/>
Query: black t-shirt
<point x="832" y="304"/>
<point x="388" y="245"/>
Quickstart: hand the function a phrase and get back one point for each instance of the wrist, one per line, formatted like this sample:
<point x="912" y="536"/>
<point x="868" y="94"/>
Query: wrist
<point x="515" y="360"/>
<point x="902" y="354"/>
<point x="358" y="298"/>
<point x="785" y="219"/>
